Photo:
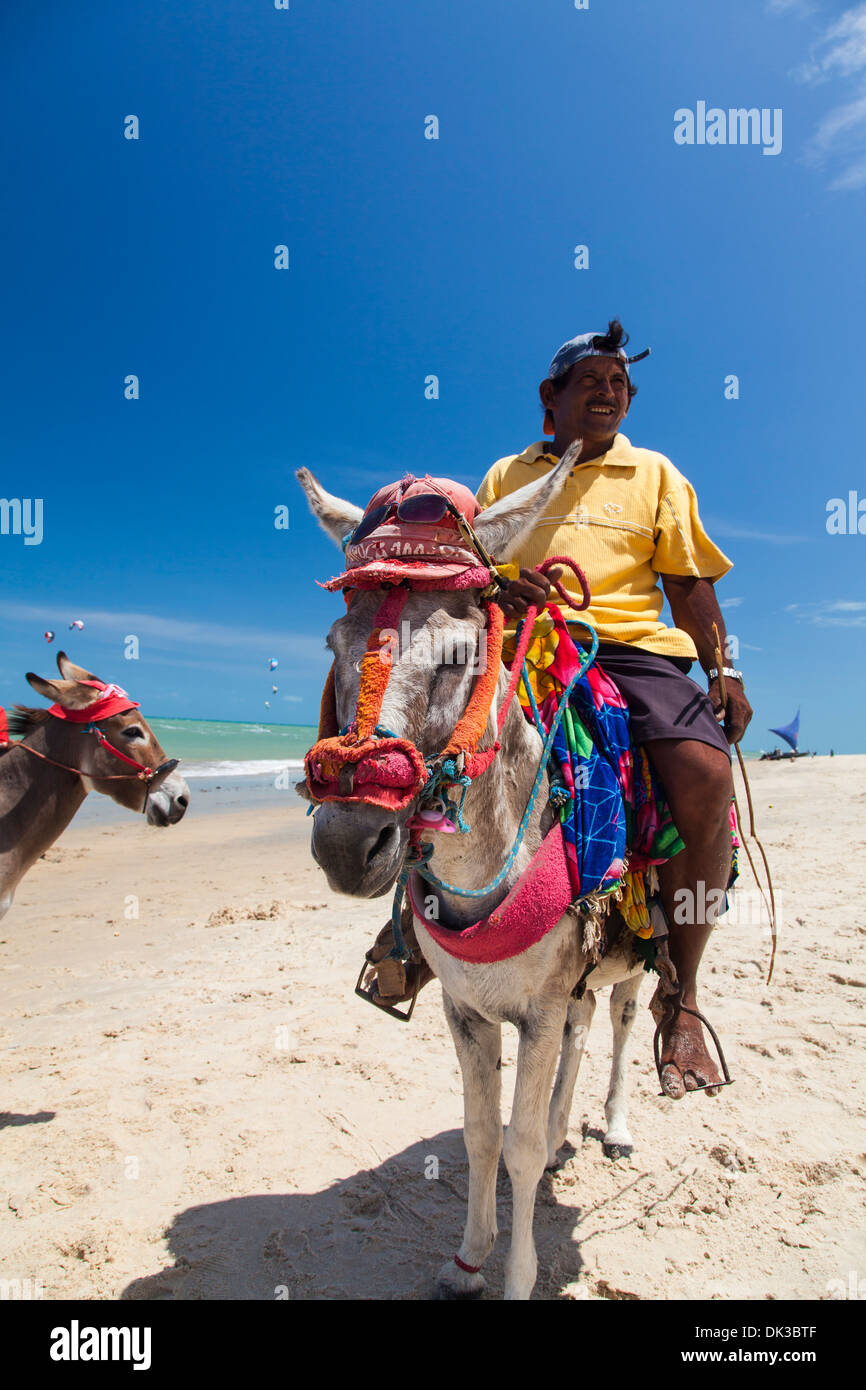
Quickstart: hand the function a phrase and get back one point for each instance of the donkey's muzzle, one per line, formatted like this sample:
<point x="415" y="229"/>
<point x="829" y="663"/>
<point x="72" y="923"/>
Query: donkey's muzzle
<point x="386" y="772"/>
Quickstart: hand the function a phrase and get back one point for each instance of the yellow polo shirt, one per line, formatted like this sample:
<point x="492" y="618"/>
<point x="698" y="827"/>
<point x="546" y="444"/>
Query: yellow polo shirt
<point x="626" y="518"/>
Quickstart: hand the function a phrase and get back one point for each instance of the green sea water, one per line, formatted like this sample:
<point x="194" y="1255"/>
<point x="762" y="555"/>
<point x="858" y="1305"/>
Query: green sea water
<point x="212" y="748"/>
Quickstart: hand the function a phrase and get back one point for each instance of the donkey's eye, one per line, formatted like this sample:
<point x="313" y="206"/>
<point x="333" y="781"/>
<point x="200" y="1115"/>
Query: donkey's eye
<point x="133" y="731"/>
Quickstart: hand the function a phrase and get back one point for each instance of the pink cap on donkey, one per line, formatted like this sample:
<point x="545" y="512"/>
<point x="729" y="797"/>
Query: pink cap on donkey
<point x="408" y="531"/>
<point x="111" y="699"/>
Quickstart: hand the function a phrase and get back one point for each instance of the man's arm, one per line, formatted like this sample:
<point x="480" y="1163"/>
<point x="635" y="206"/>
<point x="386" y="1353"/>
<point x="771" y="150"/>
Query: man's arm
<point x="695" y="608"/>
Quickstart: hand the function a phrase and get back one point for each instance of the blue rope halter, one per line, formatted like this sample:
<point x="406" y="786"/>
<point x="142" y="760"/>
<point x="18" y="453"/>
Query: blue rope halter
<point x="419" y="859"/>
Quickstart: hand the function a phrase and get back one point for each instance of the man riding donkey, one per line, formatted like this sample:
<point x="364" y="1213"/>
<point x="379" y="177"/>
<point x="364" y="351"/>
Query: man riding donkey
<point x="630" y="519"/>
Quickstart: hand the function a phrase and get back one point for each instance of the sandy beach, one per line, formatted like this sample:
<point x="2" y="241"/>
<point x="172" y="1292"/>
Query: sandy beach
<point x="196" y="1106"/>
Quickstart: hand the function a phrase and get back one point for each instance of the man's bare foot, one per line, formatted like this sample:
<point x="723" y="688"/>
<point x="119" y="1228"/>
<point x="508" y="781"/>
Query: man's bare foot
<point x="685" y="1062"/>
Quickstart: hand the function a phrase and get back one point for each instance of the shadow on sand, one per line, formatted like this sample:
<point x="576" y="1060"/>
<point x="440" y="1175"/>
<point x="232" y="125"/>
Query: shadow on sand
<point x="381" y="1234"/>
<point x="41" y="1117"/>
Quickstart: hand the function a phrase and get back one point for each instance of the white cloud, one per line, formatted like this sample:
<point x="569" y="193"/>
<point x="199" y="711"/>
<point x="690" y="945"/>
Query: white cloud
<point x="731" y="603"/>
<point x="852" y="177"/>
<point x="841" y="50"/>
<point x="843" y="123"/>
<point x="790" y="6"/>
<point x="830" y="612"/>
<point x="839" y="54"/>
<point x="730" y="530"/>
<point x="163" y="631"/>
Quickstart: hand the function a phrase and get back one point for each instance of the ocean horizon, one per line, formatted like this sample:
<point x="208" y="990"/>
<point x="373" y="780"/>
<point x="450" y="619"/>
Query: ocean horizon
<point x="211" y="748"/>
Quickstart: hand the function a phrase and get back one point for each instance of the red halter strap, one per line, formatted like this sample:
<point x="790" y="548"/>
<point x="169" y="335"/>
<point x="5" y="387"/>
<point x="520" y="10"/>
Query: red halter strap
<point x="144" y="773"/>
<point x="116" y="697"/>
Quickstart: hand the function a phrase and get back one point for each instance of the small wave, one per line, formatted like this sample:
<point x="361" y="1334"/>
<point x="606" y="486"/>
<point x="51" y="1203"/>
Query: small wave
<point x="253" y="767"/>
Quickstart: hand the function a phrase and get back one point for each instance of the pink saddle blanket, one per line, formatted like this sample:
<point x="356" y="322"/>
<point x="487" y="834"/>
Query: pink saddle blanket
<point x="534" y="905"/>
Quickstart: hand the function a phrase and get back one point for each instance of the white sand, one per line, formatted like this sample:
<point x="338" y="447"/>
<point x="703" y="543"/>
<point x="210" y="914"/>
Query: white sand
<point x="199" y="1107"/>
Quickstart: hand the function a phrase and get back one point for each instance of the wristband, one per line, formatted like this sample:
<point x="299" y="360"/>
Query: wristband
<point x="727" y="671"/>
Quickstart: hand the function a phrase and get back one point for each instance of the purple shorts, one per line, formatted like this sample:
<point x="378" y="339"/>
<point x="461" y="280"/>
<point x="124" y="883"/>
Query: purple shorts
<point x="663" y="701"/>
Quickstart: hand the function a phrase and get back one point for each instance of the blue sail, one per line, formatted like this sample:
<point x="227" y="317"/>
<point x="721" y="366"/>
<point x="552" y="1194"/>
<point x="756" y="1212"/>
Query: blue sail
<point x="790" y="731"/>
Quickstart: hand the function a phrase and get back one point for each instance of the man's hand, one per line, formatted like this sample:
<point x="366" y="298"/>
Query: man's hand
<point x="532" y="587"/>
<point x="738" y="712"/>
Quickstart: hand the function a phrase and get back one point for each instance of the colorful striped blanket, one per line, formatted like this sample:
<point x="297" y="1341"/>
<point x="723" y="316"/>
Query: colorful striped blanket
<point x="615" y="819"/>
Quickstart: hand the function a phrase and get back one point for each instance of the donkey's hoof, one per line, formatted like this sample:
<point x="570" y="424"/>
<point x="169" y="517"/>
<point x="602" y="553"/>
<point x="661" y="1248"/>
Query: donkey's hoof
<point x="617" y="1148"/>
<point x="453" y="1283"/>
<point x="446" y="1293"/>
<point x="558" y="1157"/>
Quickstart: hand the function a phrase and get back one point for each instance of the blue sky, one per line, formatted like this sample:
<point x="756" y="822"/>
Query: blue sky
<point x="410" y="256"/>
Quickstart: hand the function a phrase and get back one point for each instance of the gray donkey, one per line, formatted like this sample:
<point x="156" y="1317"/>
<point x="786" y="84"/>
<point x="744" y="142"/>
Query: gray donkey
<point x="361" y="848"/>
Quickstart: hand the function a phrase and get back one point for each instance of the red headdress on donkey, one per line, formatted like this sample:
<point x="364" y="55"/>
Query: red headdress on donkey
<point x="112" y="700"/>
<point x="361" y="763"/>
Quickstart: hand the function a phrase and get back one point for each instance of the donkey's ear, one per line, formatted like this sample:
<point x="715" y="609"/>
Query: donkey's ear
<point x="506" y="524"/>
<point x="50" y="689"/>
<point x="69" y="694"/>
<point x="72" y="672"/>
<point x="336" y="517"/>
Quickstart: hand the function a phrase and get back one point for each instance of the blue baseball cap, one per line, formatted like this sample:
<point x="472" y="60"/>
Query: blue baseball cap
<point x="588" y="345"/>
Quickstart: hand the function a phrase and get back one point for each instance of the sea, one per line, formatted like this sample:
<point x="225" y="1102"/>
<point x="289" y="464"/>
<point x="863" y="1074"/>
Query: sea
<point x="225" y="750"/>
<point x="212" y="749"/>
<point x="230" y="765"/>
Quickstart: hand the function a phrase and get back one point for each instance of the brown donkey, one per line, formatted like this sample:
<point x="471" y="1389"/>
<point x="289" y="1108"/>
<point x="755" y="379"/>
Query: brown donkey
<point x="92" y="739"/>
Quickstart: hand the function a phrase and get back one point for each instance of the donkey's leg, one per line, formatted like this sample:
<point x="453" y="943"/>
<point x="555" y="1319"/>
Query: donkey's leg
<point x="623" y="1007"/>
<point x="526" y="1137"/>
<point x="574" y="1035"/>
<point x="479" y="1049"/>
